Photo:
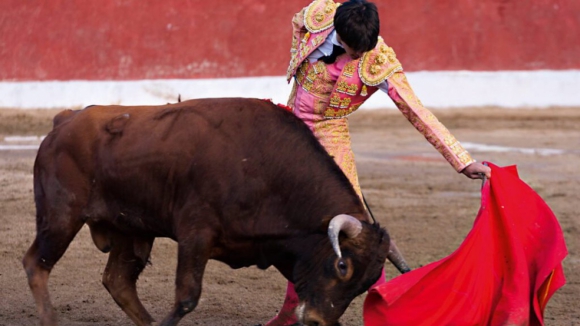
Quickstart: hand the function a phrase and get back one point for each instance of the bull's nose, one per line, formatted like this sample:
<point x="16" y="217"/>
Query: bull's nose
<point x="313" y="323"/>
<point x="317" y="322"/>
<point x="311" y="317"/>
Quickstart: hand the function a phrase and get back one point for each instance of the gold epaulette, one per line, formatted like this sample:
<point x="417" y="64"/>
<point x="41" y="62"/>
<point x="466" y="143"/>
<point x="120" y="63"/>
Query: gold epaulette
<point x="319" y="15"/>
<point x="378" y="64"/>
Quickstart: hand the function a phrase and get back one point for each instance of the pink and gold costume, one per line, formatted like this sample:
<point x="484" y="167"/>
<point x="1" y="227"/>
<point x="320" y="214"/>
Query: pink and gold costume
<point x="324" y="94"/>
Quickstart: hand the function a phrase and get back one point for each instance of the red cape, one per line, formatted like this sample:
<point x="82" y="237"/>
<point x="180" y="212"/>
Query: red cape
<point x="504" y="272"/>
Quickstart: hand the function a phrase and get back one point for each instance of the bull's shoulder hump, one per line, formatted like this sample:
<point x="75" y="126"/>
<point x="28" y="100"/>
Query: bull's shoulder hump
<point x="62" y="116"/>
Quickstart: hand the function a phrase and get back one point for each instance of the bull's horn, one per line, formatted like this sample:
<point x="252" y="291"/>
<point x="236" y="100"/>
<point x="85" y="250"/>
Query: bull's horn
<point x="396" y="258"/>
<point x="346" y="223"/>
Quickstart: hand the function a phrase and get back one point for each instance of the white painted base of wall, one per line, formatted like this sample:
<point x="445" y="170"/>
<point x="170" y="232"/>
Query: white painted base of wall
<point x="442" y="89"/>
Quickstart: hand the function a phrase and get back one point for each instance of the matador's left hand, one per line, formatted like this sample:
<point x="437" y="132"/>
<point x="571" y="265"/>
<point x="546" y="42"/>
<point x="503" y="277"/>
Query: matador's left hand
<point x="477" y="170"/>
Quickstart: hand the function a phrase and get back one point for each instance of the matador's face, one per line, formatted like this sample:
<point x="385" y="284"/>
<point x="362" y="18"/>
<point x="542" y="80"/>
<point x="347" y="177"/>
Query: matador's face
<point x="350" y="51"/>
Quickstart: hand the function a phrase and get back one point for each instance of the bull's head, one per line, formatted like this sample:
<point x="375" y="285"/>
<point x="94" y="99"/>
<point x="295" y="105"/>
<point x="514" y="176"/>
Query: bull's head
<point x="338" y="269"/>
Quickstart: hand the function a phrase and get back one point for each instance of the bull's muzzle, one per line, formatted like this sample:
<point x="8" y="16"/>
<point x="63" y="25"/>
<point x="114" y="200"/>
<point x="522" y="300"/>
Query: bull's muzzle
<point x="310" y="318"/>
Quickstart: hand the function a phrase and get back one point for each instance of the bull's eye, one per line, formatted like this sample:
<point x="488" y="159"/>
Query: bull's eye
<point x="342" y="267"/>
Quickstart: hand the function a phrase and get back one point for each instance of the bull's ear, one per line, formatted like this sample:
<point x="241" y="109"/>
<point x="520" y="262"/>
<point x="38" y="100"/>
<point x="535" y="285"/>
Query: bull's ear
<point x="384" y="237"/>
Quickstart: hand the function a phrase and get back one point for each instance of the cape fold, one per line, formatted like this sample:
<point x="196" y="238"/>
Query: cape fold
<point x="503" y="273"/>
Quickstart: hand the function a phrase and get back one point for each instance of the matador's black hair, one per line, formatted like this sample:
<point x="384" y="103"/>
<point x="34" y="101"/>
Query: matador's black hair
<point x="357" y="23"/>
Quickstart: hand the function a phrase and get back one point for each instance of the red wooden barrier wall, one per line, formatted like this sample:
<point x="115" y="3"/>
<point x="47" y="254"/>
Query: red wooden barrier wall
<point x="148" y="39"/>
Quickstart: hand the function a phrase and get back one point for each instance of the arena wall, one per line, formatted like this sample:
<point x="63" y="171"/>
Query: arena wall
<point x="456" y="53"/>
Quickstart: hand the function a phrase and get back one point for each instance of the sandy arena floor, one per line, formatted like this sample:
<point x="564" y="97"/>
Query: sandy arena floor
<point x="425" y="205"/>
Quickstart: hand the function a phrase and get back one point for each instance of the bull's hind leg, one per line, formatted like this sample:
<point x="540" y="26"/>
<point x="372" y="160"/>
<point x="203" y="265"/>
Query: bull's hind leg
<point x="127" y="260"/>
<point x="54" y="234"/>
<point x="61" y="194"/>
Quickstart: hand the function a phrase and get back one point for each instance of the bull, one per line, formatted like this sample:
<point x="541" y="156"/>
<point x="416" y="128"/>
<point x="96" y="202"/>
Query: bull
<point x="241" y="181"/>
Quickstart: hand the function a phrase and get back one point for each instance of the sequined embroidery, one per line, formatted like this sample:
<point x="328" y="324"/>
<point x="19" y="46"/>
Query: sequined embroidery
<point x="379" y="64"/>
<point x="314" y="78"/>
<point x="334" y="136"/>
<point x="363" y="91"/>
<point x="349" y="69"/>
<point x="299" y="53"/>
<point x="319" y="15"/>
<point x="345" y="98"/>
<point x="335" y="101"/>
<point x="317" y="40"/>
<point x="341" y="113"/>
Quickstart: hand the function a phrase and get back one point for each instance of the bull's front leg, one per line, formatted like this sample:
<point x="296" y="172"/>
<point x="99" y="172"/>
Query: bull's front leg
<point x="193" y="254"/>
<point x="127" y="259"/>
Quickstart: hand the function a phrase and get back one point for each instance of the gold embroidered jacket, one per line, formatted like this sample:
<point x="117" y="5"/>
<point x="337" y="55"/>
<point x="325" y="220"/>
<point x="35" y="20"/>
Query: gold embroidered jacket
<point x="359" y="79"/>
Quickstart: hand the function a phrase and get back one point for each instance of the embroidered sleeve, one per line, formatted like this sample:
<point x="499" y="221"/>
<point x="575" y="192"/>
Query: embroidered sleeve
<point x="426" y="123"/>
<point x="310" y="27"/>
<point x="298" y="30"/>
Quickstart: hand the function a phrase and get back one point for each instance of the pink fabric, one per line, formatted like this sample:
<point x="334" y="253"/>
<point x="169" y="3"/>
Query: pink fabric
<point x="310" y="106"/>
<point x="382" y="280"/>
<point x="349" y="92"/>
<point x="287" y="314"/>
<point x="333" y="134"/>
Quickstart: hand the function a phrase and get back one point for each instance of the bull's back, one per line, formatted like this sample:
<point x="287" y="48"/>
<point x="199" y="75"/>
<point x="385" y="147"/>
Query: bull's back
<point x="221" y="133"/>
<point x="150" y="160"/>
<point x="194" y="131"/>
<point x="179" y="127"/>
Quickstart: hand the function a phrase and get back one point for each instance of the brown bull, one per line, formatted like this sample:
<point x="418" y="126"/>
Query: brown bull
<point x="237" y="180"/>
